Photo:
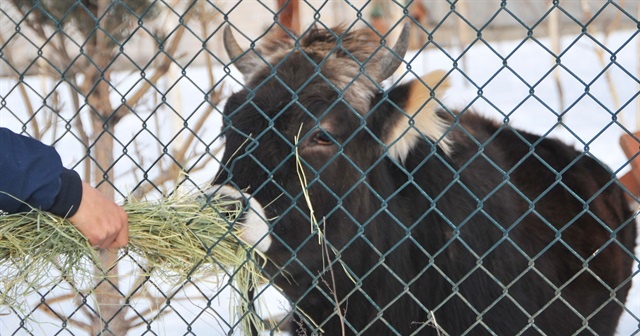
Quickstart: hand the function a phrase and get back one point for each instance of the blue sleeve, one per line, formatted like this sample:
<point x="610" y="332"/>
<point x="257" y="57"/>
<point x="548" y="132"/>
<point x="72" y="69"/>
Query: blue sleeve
<point x="32" y="175"/>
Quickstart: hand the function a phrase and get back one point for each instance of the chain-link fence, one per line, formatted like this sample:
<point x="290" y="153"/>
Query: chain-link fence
<point x="401" y="179"/>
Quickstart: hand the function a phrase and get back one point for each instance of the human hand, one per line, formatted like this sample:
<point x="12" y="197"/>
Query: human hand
<point x="104" y="223"/>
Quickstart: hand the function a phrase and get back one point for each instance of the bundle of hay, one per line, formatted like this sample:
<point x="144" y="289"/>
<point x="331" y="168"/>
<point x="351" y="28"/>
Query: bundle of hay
<point x="176" y="237"/>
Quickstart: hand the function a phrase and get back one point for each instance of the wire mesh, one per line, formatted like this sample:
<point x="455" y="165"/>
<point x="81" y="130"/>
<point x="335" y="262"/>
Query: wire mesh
<point x="140" y="96"/>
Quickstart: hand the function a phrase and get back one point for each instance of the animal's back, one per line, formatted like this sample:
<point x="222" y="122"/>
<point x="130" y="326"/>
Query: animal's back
<point x="571" y="232"/>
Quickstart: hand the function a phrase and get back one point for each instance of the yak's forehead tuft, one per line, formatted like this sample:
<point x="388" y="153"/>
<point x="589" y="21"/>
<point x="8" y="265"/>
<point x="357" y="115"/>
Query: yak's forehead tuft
<point x="358" y="43"/>
<point x="342" y="54"/>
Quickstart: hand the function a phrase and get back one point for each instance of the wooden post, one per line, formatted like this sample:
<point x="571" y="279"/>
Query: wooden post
<point x="631" y="147"/>
<point x="289" y="15"/>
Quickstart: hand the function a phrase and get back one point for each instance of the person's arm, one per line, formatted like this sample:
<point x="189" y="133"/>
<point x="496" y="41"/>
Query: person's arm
<point x="32" y="176"/>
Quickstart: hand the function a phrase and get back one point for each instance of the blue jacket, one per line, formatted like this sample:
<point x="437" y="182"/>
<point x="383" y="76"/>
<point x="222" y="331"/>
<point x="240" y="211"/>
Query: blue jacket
<point x="32" y="175"/>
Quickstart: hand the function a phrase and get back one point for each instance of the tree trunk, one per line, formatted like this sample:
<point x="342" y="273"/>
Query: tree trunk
<point x="109" y="300"/>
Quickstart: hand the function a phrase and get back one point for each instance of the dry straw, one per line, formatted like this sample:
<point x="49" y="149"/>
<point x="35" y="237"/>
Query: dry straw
<point x="173" y="238"/>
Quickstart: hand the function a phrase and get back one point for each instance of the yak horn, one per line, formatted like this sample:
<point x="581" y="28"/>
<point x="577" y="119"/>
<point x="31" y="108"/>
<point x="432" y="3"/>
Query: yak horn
<point x="385" y="62"/>
<point x="246" y="62"/>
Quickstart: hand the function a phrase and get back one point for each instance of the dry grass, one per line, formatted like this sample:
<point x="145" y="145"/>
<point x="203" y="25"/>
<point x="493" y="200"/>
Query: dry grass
<point x="172" y="238"/>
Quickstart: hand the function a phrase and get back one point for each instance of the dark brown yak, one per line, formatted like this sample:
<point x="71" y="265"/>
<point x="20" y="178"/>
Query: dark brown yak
<point x="434" y="221"/>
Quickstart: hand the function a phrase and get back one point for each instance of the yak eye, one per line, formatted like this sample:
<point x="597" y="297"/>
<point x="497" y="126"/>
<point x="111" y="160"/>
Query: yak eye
<point x="322" y="138"/>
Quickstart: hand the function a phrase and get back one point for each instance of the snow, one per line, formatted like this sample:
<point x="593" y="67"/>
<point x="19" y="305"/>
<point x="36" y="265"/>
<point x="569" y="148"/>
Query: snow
<point x="507" y="80"/>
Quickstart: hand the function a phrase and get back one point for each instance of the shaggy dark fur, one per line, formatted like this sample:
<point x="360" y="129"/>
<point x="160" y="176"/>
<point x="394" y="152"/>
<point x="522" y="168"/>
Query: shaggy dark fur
<point x="510" y="233"/>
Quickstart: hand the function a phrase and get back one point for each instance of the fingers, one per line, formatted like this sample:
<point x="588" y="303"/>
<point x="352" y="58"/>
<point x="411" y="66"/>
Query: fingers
<point x="118" y="235"/>
<point x="122" y="235"/>
<point x="100" y="220"/>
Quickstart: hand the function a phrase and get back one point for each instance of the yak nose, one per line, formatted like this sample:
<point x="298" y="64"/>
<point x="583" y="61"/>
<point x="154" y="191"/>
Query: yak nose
<point x="255" y="226"/>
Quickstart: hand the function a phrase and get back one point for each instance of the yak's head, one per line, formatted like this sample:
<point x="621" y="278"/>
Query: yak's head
<point x="313" y="130"/>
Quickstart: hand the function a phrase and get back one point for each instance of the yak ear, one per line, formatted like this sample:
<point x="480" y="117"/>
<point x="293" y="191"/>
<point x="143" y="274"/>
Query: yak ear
<point x="419" y="101"/>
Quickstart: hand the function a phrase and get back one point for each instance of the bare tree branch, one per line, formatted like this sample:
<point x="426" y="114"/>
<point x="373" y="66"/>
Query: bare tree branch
<point x="89" y="88"/>
<point x="167" y="175"/>
<point x="160" y="70"/>
<point x="66" y="297"/>
<point x="23" y="91"/>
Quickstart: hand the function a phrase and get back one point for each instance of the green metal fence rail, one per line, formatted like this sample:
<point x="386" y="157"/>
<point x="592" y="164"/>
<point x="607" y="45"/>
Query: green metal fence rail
<point x="131" y="93"/>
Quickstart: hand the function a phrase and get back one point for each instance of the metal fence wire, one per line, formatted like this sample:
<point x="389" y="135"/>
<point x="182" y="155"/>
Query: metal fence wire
<point x="409" y="167"/>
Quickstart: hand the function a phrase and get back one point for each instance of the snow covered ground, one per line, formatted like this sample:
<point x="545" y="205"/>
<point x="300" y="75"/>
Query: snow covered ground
<point x="504" y="80"/>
